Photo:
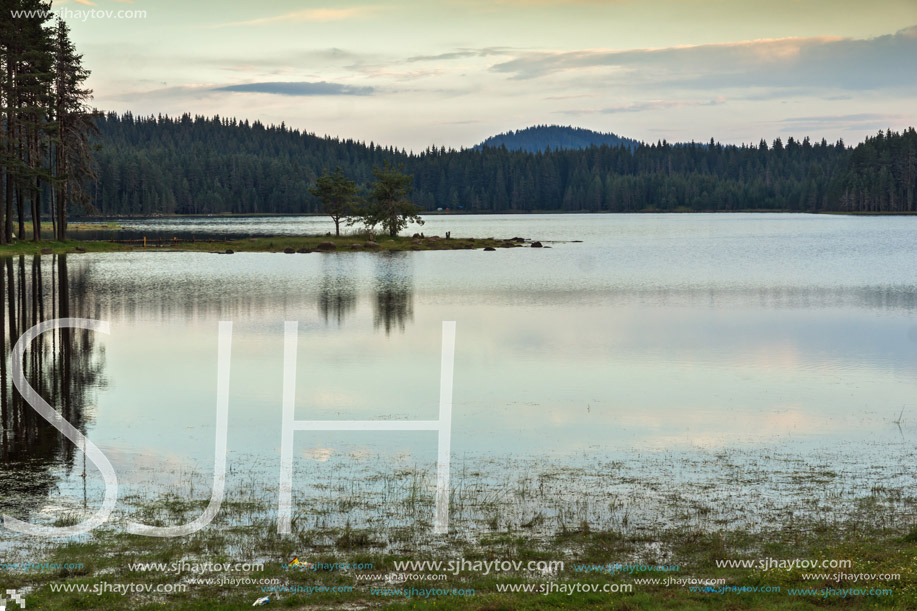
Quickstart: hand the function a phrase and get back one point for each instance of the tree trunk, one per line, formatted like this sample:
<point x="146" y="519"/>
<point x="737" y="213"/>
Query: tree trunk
<point x="8" y="194"/>
<point x="36" y="211"/>
<point x="8" y="224"/>
<point x="52" y="190"/>
<point x="19" y="203"/>
<point x="61" y="200"/>
<point x="62" y="215"/>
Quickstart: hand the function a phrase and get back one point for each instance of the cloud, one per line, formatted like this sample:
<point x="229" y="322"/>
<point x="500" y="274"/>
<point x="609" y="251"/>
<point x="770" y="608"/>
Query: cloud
<point x="854" y="118"/>
<point x="462" y="54"/>
<point x="823" y="61"/>
<point x="862" y="121"/>
<point x="201" y="91"/>
<point x="292" y="61"/>
<point x="184" y="92"/>
<point x="545" y="3"/>
<point x="297" y="88"/>
<point x="319" y="15"/>
<point x="395" y="75"/>
<point x="647" y="105"/>
<point x="571" y="96"/>
<point x="717" y="56"/>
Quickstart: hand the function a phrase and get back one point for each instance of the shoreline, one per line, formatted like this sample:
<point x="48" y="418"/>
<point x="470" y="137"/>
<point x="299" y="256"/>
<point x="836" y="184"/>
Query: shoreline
<point x="90" y="221"/>
<point x="274" y="244"/>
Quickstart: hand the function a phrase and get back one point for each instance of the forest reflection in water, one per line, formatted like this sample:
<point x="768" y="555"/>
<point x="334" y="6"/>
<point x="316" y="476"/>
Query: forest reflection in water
<point x="65" y="366"/>
<point x="393" y="291"/>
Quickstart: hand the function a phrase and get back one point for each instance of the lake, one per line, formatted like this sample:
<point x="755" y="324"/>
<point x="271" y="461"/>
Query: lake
<point x="644" y="370"/>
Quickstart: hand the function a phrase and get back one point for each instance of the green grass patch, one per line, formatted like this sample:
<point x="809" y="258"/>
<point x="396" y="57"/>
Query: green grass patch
<point x="279" y="244"/>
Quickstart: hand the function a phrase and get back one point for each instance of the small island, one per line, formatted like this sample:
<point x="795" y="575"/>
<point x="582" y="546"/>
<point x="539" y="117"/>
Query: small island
<point x="386" y="206"/>
<point x="276" y="244"/>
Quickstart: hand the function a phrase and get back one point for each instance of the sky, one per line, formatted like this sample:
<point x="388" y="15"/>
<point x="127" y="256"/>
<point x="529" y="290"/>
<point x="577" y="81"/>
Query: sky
<point x="414" y="74"/>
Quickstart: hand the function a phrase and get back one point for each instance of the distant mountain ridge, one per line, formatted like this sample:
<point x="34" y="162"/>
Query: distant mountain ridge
<point x="555" y="137"/>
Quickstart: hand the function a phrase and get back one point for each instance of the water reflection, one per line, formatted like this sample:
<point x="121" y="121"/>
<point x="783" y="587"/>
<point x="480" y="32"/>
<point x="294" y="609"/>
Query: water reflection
<point x="394" y="292"/>
<point x="624" y="341"/>
<point x="65" y="367"/>
<point x="338" y="292"/>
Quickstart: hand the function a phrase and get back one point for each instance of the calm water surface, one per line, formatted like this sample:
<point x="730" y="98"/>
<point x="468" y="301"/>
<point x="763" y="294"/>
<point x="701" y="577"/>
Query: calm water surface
<point x="726" y="352"/>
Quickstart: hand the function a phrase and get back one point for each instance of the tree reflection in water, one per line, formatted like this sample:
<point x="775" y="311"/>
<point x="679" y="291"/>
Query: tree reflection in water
<point x="394" y="291"/>
<point x="65" y="367"/>
<point x="337" y="297"/>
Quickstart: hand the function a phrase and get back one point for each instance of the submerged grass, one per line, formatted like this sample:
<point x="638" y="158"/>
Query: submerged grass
<point x="520" y="519"/>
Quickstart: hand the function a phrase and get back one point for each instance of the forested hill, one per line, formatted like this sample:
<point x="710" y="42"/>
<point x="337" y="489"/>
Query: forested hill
<point x="210" y="165"/>
<point x="555" y="137"/>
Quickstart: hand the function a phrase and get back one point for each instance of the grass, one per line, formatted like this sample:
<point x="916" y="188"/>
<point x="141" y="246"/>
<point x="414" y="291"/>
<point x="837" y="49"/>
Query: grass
<point x="107" y="555"/>
<point x="47" y="227"/>
<point x="278" y="244"/>
<point x="328" y="528"/>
